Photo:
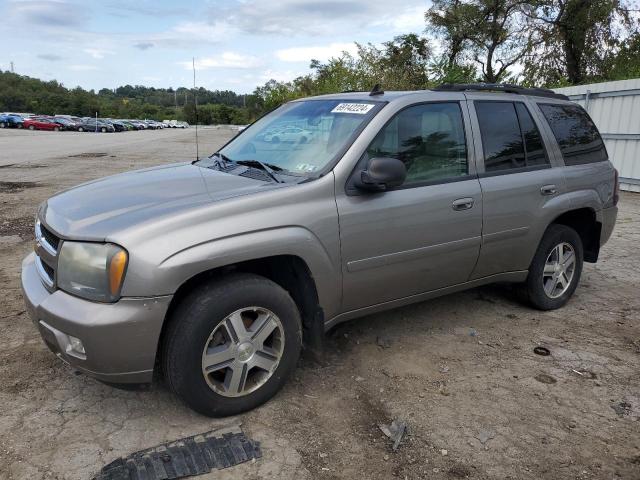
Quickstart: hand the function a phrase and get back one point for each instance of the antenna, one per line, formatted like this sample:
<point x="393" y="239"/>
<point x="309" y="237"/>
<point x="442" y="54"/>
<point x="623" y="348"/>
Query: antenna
<point x="377" y="90"/>
<point x="195" y="102"/>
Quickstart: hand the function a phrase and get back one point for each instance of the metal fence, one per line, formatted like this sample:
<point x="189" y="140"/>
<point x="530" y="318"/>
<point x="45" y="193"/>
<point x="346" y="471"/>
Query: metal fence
<point x="615" y="108"/>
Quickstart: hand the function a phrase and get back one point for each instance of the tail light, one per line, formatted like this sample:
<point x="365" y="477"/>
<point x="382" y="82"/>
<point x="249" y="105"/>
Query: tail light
<point x="616" y="187"/>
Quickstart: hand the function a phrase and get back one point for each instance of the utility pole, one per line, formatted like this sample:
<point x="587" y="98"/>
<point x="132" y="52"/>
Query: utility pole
<point x="12" y="67"/>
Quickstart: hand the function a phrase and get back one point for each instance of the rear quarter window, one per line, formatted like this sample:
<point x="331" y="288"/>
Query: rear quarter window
<point x="576" y="134"/>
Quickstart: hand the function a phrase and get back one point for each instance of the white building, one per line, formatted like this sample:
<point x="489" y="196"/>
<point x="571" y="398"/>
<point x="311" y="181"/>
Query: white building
<point x="615" y="108"/>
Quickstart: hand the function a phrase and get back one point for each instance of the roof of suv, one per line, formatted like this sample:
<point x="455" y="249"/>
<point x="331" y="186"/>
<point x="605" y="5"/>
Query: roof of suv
<point x="468" y="87"/>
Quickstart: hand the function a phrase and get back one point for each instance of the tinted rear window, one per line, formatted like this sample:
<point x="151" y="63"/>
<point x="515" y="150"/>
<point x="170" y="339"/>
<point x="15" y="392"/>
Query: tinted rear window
<point x="576" y="134"/>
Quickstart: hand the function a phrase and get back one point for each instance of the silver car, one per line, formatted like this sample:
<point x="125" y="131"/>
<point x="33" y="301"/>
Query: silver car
<point x="216" y="273"/>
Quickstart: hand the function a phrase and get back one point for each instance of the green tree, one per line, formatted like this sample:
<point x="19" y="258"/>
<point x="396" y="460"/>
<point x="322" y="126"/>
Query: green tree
<point x="578" y="38"/>
<point x="491" y="33"/>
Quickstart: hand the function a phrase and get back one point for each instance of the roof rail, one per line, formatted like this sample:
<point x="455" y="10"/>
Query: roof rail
<point x="499" y="87"/>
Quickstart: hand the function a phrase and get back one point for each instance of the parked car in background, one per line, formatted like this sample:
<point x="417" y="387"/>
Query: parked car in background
<point x="11" y="120"/>
<point x="41" y="123"/>
<point x="138" y="124"/>
<point x="117" y="126"/>
<point x="93" y="125"/>
<point x="66" y="123"/>
<point x="289" y="134"/>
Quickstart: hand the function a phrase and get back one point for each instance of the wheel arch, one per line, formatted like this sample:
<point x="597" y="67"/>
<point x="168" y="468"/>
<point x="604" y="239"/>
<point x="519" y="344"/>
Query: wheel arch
<point x="290" y="272"/>
<point x="585" y="222"/>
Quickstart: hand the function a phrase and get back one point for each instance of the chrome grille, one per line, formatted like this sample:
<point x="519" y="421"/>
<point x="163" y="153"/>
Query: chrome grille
<point x="47" y="245"/>
<point x="52" y="239"/>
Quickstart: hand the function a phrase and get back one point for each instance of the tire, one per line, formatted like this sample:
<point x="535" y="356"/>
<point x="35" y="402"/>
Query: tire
<point x="206" y="313"/>
<point x="56" y="129"/>
<point x="542" y="290"/>
<point x="103" y="130"/>
<point x="3" y="125"/>
<point x="303" y="140"/>
<point x="80" y="129"/>
<point x="32" y="127"/>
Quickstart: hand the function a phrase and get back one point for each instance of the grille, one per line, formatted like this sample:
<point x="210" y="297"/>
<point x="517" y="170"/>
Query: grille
<point x="51" y="238"/>
<point x="47" y="246"/>
<point x="48" y="270"/>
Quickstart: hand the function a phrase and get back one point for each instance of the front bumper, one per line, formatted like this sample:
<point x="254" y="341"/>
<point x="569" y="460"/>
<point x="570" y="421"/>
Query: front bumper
<point x="120" y="339"/>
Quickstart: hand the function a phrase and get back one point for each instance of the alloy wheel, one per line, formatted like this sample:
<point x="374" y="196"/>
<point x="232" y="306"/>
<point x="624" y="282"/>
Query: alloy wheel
<point x="559" y="269"/>
<point x="243" y="351"/>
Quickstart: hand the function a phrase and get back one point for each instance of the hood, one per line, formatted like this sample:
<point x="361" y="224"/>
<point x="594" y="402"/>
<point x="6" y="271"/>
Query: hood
<point x="98" y="209"/>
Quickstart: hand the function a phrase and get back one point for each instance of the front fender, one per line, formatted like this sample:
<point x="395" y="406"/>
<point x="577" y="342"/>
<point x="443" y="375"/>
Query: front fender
<point x="293" y="240"/>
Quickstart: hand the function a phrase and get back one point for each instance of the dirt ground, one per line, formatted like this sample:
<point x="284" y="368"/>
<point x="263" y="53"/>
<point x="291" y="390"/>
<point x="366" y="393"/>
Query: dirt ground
<point x="460" y="370"/>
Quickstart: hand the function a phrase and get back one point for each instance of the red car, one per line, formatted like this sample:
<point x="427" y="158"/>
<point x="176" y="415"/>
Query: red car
<point x="38" y="123"/>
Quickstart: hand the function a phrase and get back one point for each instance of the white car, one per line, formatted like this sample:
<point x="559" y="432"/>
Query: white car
<point x="289" y="134"/>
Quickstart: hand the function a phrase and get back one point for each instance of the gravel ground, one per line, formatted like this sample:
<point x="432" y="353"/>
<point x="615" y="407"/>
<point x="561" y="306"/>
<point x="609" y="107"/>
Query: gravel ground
<point x="460" y="370"/>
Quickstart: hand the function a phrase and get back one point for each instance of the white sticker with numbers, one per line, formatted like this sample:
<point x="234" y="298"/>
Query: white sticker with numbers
<point x="359" y="108"/>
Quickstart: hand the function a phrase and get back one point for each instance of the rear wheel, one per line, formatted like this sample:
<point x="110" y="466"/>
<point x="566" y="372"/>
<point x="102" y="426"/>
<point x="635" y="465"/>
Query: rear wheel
<point x="56" y="129"/>
<point x="103" y="130"/>
<point x="80" y="129"/>
<point x="32" y="127"/>
<point x="231" y="344"/>
<point x="3" y="125"/>
<point x="555" y="270"/>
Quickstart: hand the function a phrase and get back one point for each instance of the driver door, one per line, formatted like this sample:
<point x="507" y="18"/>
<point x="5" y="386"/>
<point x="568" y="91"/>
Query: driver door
<point x="425" y="234"/>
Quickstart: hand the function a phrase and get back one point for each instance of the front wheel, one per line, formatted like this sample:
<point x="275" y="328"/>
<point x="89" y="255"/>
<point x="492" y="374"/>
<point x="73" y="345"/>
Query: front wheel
<point x="31" y="127"/>
<point x="231" y="344"/>
<point x="56" y="129"/>
<point x="103" y="130"/>
<point x="555" y="271"/>
<point x="80" y="129"/>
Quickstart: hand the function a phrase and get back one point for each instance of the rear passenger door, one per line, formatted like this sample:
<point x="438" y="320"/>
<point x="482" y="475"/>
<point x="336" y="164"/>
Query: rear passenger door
<point x="517" y="181"/>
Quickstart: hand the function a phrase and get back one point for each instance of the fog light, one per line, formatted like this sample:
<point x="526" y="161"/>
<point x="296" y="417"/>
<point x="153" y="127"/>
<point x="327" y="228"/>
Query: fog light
<point x="75" y="346"/>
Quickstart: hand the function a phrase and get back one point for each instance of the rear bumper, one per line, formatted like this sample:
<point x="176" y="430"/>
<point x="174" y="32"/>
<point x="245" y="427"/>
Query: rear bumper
<point x="609" y="216"/>
<point x="120" y="339"/>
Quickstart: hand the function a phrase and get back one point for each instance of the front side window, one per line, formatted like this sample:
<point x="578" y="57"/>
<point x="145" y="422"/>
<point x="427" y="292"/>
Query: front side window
<point x="576" y="134"/>
<point x="301" y="138"/>
<point x="510" y="138"/>
<point x="429" y="139"/>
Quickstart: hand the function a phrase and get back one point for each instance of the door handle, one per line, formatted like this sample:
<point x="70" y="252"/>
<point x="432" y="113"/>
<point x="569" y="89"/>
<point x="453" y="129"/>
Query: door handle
<point x="462" y="204"/>
<point x="548" y="190"/>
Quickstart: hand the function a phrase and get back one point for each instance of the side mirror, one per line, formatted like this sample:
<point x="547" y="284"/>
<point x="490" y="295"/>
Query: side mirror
<point x="382" y="173"/>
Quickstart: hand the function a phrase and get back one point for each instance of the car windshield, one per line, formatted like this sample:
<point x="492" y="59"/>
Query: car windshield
<point x="301" y="137"/>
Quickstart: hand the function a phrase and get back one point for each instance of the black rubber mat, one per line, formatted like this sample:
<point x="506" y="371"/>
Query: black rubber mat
<point x="189" y="456"/>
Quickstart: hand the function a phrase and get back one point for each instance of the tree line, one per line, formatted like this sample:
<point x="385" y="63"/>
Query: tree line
<point x="548" y="43"/>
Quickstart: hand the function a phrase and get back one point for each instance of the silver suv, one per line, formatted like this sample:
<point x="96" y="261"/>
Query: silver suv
<point x="216" y="273"/>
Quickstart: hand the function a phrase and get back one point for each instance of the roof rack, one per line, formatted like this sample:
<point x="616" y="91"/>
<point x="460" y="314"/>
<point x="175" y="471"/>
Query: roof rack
<point x="499" y="87"/>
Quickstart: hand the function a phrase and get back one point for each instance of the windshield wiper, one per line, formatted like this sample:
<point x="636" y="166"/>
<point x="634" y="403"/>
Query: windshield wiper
<point x="270" y="170"/>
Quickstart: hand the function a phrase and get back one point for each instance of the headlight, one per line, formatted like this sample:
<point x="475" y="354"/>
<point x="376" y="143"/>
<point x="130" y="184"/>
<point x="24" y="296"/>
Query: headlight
<point x="94" y="271"/>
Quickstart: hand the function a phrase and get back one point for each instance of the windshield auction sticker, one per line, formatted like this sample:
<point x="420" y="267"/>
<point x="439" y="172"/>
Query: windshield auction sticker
<point x="359" y="108"/>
